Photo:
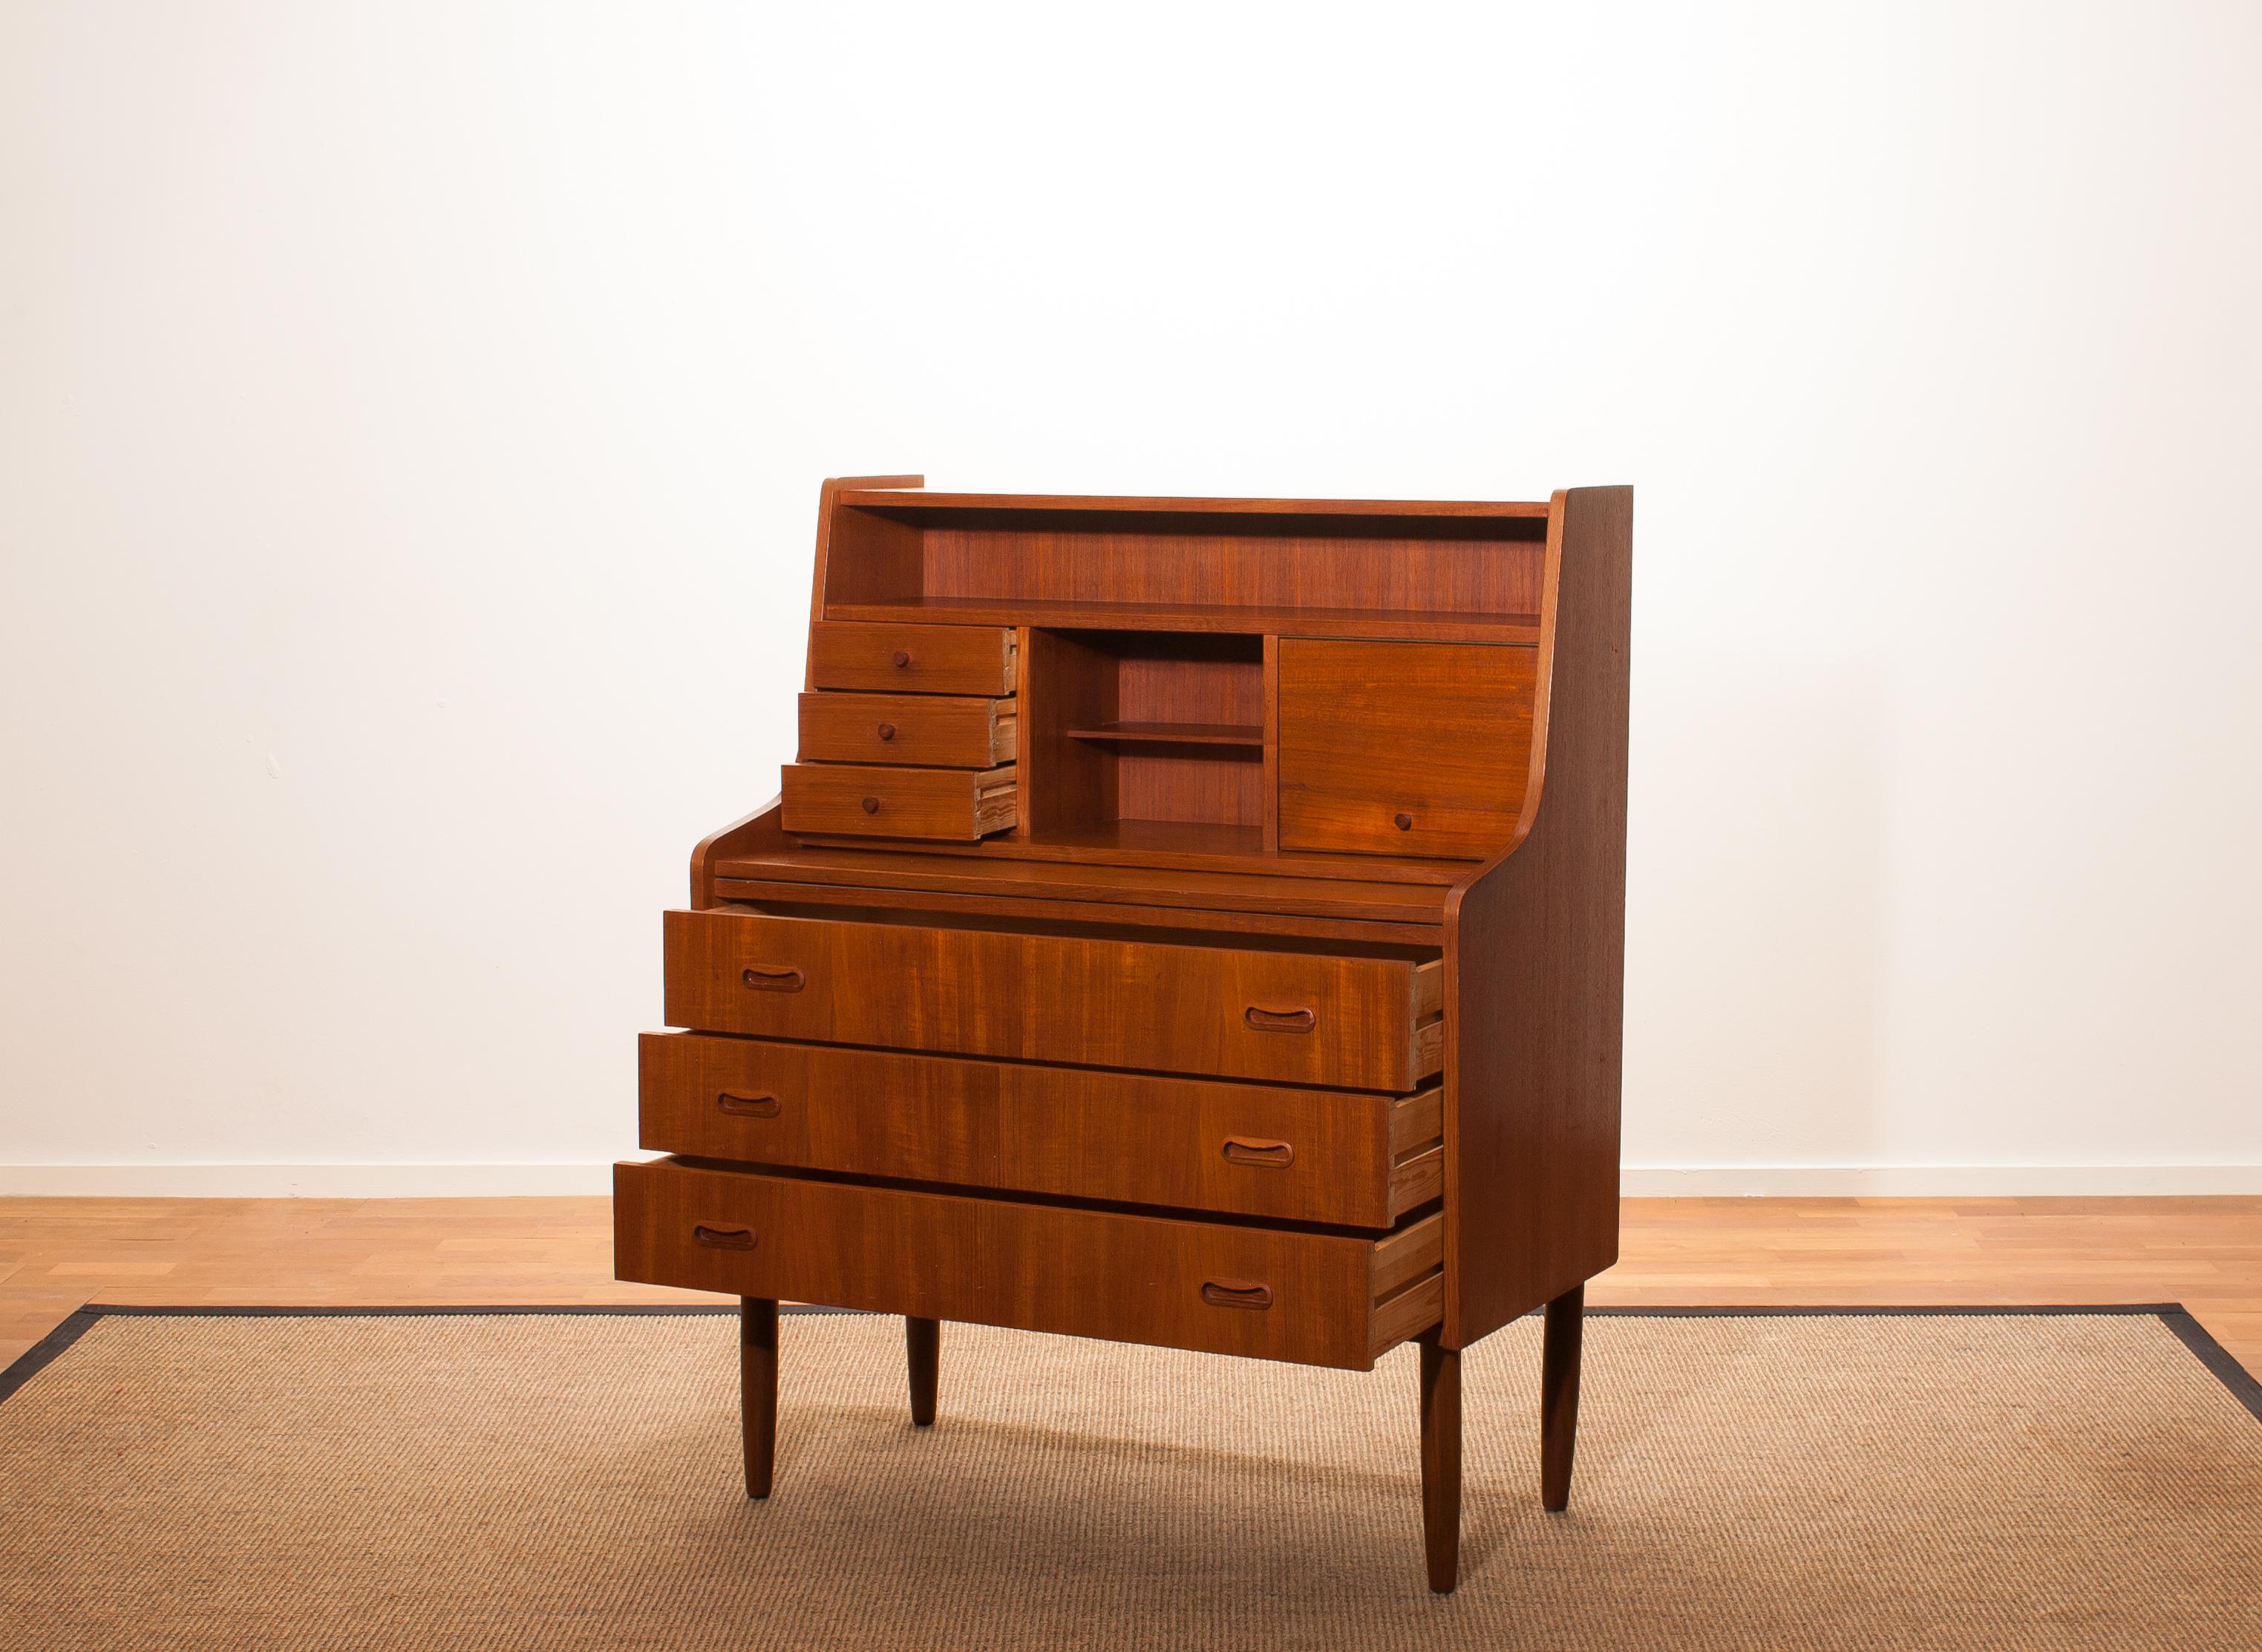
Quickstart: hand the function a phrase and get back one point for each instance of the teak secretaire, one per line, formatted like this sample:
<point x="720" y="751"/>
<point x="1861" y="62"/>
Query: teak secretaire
<point x="1189" y="922"/>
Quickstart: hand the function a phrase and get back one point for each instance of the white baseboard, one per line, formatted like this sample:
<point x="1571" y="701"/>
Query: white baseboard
<point x="303" y="1181"/>
<point x="1934" y="1181"/>
<point x="1777" y="1181"/>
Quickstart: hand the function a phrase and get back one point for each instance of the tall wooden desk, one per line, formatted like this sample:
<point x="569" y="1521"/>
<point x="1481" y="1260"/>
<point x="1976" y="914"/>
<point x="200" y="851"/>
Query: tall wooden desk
<point x="1190" y="921"/>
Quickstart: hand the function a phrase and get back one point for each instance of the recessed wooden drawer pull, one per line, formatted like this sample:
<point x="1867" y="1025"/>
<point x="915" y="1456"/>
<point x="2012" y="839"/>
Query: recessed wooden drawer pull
<point x="1243" y="1150"/>
<point x="902" y="658"/>
<point x="723" y="1238"/>
<point x="1273" y="1021"/>
<point x="748" y="1106"/>
<point x="765" y="980"/>
<point x="887" y="730"/>
<point x="1233" y="1293"/>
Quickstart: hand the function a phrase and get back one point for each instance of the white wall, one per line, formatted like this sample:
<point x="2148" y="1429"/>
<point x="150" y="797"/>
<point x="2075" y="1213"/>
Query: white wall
<point x="411" y="419"/>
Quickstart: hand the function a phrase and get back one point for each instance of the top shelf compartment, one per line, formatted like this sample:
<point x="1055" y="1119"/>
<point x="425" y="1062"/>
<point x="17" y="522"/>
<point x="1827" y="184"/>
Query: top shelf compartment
<point x="1285" y="567"/>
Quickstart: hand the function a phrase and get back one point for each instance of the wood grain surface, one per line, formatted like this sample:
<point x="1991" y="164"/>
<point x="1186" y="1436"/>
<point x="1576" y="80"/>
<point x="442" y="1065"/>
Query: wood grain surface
<point x="943" y="731"/>
<point x="1403" y="748"/>
<point x="838" y="900"/>
<point x="1297" y="1017"/>
<point x="887" y="802"/>
<point x="1323" y="1155"/>
<point x="911" y="659"/>
<point x="1218" y="1286"/>
<point x="1519" y="625"/>
<point x="1192" y="845"/>
<point x="1226" y="892"/>
<point x="1535" y="960"/>
<point x="1285" y="563"/>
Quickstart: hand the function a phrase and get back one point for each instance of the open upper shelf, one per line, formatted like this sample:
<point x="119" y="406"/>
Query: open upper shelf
<point x="1290" y="568"/>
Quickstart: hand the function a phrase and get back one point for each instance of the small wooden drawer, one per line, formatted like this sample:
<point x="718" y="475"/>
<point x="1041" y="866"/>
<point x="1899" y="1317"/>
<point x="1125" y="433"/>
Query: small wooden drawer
<point x="1337" y="1157"/>
<point x="1363" y="1023"/>
<point x="1403" y="748"/>
<point x="1274" y="1294"/>
<point x="958" y="804"/>
<point x="911" y="659"/>
<point x="945" y="730"/>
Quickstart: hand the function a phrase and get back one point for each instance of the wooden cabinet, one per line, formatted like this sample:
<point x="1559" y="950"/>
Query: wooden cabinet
<point x="1195" y="922"/>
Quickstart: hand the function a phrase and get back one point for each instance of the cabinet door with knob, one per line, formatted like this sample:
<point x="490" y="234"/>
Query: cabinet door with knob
<point x="1402" y="748"/>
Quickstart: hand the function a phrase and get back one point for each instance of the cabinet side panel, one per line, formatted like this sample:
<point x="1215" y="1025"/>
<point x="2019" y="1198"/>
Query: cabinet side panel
<point x="871" y="558"/>
<point x="1066" y="684"/>
<point x="1535" y="958"/>
<point x="757" y="832"/>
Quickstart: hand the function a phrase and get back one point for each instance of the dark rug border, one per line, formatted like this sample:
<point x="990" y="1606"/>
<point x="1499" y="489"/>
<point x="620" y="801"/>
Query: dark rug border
<point x="2213" y="1355"/>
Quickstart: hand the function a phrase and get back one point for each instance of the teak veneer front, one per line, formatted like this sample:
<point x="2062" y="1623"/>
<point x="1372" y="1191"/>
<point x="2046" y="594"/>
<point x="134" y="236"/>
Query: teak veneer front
<point x="1330" y="1157"/>
<point x="1190" y="921"/>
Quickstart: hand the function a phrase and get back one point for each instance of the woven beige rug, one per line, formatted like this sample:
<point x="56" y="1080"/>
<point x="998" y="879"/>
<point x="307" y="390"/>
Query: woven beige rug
<point x="571" y="1481"/>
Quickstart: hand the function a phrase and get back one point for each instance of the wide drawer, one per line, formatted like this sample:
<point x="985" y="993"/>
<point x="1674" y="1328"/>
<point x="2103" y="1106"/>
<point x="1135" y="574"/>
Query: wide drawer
<point x="960" y="804"/>
<point x="1363" y="1023"/>
<point x="945" y="730"/>
<point x="1274" y="1294"/>
<point x="1337" y="1157"/>
<point x="910" y="658"/>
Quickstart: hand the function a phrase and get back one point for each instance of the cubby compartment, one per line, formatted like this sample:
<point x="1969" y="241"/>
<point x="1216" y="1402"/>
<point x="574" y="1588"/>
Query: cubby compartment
<point x="1160" y="727"/>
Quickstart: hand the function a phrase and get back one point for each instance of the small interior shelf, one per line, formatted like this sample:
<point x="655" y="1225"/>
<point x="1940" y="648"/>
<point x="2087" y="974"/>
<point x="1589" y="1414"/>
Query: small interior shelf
<point x="1251" y="734"/>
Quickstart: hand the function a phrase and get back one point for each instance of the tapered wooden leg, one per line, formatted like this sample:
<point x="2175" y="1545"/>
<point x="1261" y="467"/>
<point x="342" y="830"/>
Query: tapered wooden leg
<point x="1441" y="1462"/>
<point x="923" y="1344"/>
<point x="757" y="1320"/>
<point x="1559" y="1397"/>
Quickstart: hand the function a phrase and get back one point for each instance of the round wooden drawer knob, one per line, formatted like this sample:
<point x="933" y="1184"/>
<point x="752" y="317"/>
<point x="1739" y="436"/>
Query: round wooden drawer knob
<point x="1403" y="822"/>
<point x="887" y="730"/>
<point x="902" y="659"/>
<point x="871" y="805"/>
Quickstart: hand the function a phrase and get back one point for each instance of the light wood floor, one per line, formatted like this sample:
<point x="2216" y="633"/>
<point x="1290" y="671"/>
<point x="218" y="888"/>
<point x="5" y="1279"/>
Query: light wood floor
<point x="57" y="1254"/>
